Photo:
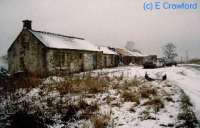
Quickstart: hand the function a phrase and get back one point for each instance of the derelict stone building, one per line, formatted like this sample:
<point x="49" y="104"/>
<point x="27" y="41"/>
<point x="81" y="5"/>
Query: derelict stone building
<point x="47" y="53"/>
<point x="127" y="57"/>
<point x="110" y="58"/>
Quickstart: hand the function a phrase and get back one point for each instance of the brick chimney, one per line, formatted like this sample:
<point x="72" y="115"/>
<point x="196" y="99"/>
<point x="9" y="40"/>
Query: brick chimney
<point x="27" y="24"/>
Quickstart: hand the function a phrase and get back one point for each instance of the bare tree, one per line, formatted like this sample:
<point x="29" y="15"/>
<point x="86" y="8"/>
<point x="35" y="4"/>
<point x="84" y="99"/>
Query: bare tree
<point x="169" y="51"/>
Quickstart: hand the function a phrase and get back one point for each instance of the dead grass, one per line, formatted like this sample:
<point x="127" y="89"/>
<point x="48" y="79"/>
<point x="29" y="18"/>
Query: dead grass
<point x="80" y="110"/>
<point x="94" y="85"/>
<point x="148" y="92"/>
<point x="101" y="121"/>
<point x="146" y="115"/>
<point x="186" y="114"/>
<point x="129" y="96"/>
<point x="28" y="82"/>
<point x="156" y="103"/>
<point x="89" y="85"/>
<point x="71" y="113"/>
<point x="88" y="108"/>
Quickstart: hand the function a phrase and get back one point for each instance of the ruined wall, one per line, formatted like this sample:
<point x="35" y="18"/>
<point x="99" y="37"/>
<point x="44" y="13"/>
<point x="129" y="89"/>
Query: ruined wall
<point x="109" y="60"/>
<point x="26" y="53"/>
<point x="99" y="60"/>
<point x="71" y="61"/>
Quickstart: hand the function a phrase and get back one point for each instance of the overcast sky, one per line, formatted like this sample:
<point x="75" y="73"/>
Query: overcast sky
<point x="105" y="22"/>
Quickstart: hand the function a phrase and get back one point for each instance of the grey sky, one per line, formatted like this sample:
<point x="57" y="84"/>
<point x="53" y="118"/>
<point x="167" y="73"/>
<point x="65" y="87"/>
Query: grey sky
<point x="105" y="22"/>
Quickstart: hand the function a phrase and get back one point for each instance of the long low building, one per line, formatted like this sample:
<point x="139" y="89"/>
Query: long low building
<point x="47" y="53"/>
<point x="127" y="57"/>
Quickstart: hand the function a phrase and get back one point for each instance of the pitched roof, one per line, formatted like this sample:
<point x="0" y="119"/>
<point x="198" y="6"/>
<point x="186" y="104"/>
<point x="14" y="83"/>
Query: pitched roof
<point x="123" y="52"/>
<point x="106" y="50"/>
<point x="136" y="53"/>
<point x="52" y="40"/>
<point x="126" y="52"/>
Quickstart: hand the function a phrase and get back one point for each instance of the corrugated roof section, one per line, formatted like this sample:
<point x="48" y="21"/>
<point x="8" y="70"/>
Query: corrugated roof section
<point x="57" y="41"/>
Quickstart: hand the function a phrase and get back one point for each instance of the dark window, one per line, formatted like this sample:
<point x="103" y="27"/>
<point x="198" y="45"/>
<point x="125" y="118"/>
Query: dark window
<point x="80" y="56"/>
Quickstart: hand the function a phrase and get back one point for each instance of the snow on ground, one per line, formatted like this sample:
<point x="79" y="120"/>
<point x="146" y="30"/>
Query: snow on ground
<point x="123" y="114"/>
<point x="186" y="77"/>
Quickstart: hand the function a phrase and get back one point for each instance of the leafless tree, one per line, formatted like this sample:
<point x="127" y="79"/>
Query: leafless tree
<point x="169" y="51"/>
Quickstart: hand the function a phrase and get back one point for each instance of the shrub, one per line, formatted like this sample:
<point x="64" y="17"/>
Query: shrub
<point x="185" y="100"/>
<point x="186" y="114"/>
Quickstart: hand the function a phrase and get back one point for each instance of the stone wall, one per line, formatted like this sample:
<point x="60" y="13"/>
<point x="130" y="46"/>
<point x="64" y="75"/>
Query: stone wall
<point x="109" y="60"/>
<point x="71" y="61"/>
<point x="26" y="53"/>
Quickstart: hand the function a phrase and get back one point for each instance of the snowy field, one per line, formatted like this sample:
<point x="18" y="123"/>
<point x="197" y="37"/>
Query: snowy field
<point x="153" y="104"/>
<point x="187" y="77"/>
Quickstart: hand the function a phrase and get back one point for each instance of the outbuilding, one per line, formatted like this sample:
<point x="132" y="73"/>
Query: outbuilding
<point x="110" y="58"/>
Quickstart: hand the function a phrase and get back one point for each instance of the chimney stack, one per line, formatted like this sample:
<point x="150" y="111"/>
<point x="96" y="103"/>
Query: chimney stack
<point x="27" y="24"/>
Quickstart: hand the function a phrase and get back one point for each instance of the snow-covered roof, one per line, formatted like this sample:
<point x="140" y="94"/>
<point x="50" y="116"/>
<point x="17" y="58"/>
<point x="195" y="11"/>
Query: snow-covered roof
<point x="123" y="52"/>
<point x="57" y="41"/>
<point x="106" y="50"/>
<point x="136" y="53"/>
<point x="126" y="52"/>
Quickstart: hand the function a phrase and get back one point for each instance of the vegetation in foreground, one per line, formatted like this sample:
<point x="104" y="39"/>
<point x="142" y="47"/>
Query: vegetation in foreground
<point x="81" y="101"/>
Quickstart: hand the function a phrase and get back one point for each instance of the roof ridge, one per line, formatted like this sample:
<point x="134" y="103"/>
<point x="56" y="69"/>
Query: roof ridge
<point x="55" y="34"/>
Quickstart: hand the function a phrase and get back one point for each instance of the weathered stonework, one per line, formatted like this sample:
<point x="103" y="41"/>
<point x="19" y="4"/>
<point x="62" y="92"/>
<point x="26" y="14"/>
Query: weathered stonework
<point x="71" y="61"/>
<point x="27" y="53"/>
<point x="110" y="60"/>
<point x="31" y="52"/>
